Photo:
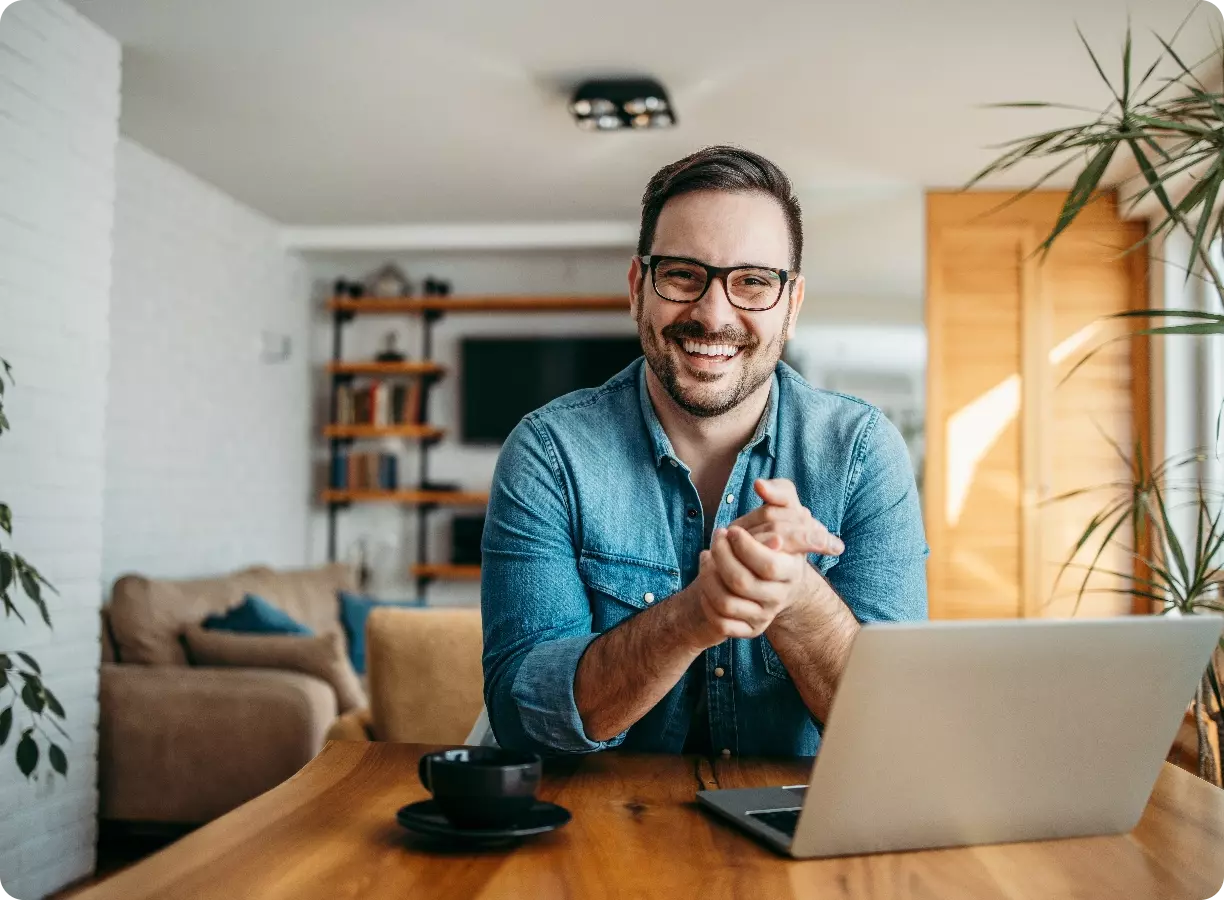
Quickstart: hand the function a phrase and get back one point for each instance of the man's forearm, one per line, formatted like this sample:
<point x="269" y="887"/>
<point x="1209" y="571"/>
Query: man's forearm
<point x="625" y="672"/>
<point x="813" y="640"/>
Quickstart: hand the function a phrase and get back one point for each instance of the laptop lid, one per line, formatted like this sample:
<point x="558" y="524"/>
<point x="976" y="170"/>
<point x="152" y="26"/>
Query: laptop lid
<point x="959" y="733"/>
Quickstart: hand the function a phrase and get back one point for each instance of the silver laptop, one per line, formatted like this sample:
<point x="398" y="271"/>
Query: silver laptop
<point x="947" y="734"/>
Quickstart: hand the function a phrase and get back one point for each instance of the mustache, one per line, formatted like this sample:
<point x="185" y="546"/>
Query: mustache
<point x="695" y="331"/>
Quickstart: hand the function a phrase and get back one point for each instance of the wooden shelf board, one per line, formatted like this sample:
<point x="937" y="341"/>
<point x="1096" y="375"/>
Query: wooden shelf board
<point x="441" y="498"/>
<point x="416" y="305"/>
<point x="378" y="431"/>
<point x="385" y="368"/>
<point x="446" y="571"/>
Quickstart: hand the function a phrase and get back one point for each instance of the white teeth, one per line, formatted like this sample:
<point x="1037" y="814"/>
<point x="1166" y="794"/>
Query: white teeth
<point x="709" y="349"/>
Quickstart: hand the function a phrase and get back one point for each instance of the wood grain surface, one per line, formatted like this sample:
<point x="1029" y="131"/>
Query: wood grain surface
<point x="1007" y="430"/>
<point x="330" y="832"/>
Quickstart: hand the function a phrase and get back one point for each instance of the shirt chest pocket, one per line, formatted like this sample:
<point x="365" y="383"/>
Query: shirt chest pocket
<point x="619" y="587"/>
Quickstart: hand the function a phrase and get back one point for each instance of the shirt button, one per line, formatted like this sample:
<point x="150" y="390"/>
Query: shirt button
<point x="648" y="597"/>
<point x="726" y="754"/>
<point x="692" y="513"/>
<point x="730" y="498"/>
<point x="674" y="463"/>
<point x="719" y="673"/>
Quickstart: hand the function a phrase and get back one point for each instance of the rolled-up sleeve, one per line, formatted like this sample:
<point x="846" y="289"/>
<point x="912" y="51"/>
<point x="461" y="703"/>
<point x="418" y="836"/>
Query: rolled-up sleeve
<point x="536" y="615"/>
<point x="882" y="574"/>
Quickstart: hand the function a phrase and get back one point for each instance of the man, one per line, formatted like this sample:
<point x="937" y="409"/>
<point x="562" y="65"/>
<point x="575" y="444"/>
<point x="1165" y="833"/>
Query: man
<point x="679" y="560"/>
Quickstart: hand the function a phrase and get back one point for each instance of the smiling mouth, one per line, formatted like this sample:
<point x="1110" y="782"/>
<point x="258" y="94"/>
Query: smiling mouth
<point x="704" y="352"/>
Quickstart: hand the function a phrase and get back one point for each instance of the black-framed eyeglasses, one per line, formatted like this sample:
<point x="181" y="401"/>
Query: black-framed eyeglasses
<point x="683" y="280"/>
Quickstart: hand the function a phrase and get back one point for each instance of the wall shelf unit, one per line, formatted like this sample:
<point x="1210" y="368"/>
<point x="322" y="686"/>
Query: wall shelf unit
<point x="408" y="497"/>
<point x="387" y="369"/>
<point x="416" y="432"/>
<point x="421" y="374"/>
<point x="445" y="572"/>
<point x="423" y="305"/>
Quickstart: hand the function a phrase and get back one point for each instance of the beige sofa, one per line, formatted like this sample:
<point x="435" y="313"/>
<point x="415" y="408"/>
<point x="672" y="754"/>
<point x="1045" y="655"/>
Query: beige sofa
<point x="184" y="744"/>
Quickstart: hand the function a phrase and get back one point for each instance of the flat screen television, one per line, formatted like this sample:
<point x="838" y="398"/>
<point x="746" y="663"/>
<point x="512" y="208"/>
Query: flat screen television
<point x="503" y="379"/>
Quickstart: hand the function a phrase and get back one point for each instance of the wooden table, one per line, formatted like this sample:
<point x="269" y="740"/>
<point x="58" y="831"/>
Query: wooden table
<point x="330" y="832"/>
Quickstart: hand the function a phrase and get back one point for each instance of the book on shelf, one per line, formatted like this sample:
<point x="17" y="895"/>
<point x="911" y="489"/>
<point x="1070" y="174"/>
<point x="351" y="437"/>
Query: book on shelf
<point x="379" y="404"/>
<point x="411" y="414"/>
<point x="365" y="471"/>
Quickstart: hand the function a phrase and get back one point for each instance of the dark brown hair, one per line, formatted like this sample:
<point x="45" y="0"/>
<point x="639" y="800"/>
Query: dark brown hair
<point x="721" y="169"/>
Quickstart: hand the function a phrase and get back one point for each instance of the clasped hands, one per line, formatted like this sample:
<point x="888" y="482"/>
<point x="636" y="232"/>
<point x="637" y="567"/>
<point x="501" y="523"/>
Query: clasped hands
<point x="756" y="569"/>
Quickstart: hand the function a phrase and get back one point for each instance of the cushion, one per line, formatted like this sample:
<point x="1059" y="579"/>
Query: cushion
<point x="354" y="610"/>
<point x="148" y="615"/>
<point x="322" y="656"/>
<point x="255" y="615"/>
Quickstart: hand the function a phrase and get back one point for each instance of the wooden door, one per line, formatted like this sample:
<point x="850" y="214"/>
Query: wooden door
<point x="1005" y="433"/>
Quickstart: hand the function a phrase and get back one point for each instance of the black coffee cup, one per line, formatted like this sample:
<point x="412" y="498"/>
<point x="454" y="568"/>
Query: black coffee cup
<point x="481" y="787"/>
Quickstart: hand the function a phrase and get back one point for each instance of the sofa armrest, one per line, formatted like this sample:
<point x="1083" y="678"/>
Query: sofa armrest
<point x="354" y="725"/>
<point x="185" y="744"/>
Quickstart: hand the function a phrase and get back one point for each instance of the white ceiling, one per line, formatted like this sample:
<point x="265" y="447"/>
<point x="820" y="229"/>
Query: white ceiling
<point x="321" y="112"/>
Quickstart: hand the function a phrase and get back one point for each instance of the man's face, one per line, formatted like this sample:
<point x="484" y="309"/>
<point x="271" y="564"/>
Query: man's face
<point x="719" y="229"/>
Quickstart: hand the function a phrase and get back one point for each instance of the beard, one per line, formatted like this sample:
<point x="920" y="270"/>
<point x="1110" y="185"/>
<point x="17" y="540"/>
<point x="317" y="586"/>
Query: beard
<point x="714" y="393"/>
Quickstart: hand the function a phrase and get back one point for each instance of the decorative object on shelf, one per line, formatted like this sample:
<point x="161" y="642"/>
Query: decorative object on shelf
<point x="436" y="287"/>
<point x="390" y="352"/>
<point x="360" y="554"/>
<point x="388" y="283"/>
<point x="345" y="288"/>
<point x="17" y="576"/>
<point x="610" y="104"/>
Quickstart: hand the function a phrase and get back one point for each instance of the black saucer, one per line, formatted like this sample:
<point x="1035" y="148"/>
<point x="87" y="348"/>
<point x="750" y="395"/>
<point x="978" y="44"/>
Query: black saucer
<point x="424" y="817"/>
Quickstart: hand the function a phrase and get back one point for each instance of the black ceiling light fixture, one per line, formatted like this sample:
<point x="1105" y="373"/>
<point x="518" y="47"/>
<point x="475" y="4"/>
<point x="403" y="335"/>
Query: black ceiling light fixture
<point x="608" y="104"/>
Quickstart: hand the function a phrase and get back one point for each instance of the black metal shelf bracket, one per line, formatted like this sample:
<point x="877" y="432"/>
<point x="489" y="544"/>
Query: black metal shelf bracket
<point x="429" y="317"/>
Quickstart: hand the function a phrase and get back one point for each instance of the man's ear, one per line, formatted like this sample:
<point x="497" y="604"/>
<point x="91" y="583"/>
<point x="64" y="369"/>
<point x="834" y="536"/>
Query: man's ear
<point x="795" y="304"/>
<point x="637" y="274"/>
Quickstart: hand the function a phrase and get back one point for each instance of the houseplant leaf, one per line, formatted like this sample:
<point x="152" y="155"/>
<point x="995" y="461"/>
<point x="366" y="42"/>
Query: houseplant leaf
<point x="31" y="696"/>
<point x="27" y="754"/>
<point x="53" y="703"/>
<point x="1082" y="193"/>
<point x="59" y="762"/>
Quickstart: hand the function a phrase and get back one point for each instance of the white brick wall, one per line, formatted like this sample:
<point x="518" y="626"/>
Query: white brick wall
<point x="59" y="109"/>
<point x="207" y="447"/>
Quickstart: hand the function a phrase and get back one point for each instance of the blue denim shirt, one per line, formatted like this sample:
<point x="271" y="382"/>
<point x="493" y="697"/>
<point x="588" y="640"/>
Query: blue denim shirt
<point x="593" y="518"/>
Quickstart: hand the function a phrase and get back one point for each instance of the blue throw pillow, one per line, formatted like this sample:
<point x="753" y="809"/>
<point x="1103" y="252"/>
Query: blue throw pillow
<point x="255" y="615"/>
<point x="354" y="610"/>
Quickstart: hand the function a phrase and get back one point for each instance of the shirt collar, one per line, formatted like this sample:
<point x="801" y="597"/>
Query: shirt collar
<point x="764" y="434"/>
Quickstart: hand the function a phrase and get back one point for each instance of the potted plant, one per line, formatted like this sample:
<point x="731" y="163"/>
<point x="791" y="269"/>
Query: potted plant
<point x="29" y="707"/>
<point x="1172" y="128"/>
<point x="1178" y="576"/>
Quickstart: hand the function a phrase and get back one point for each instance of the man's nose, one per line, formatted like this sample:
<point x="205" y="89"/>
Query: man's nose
<point x="714" y="311"/>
